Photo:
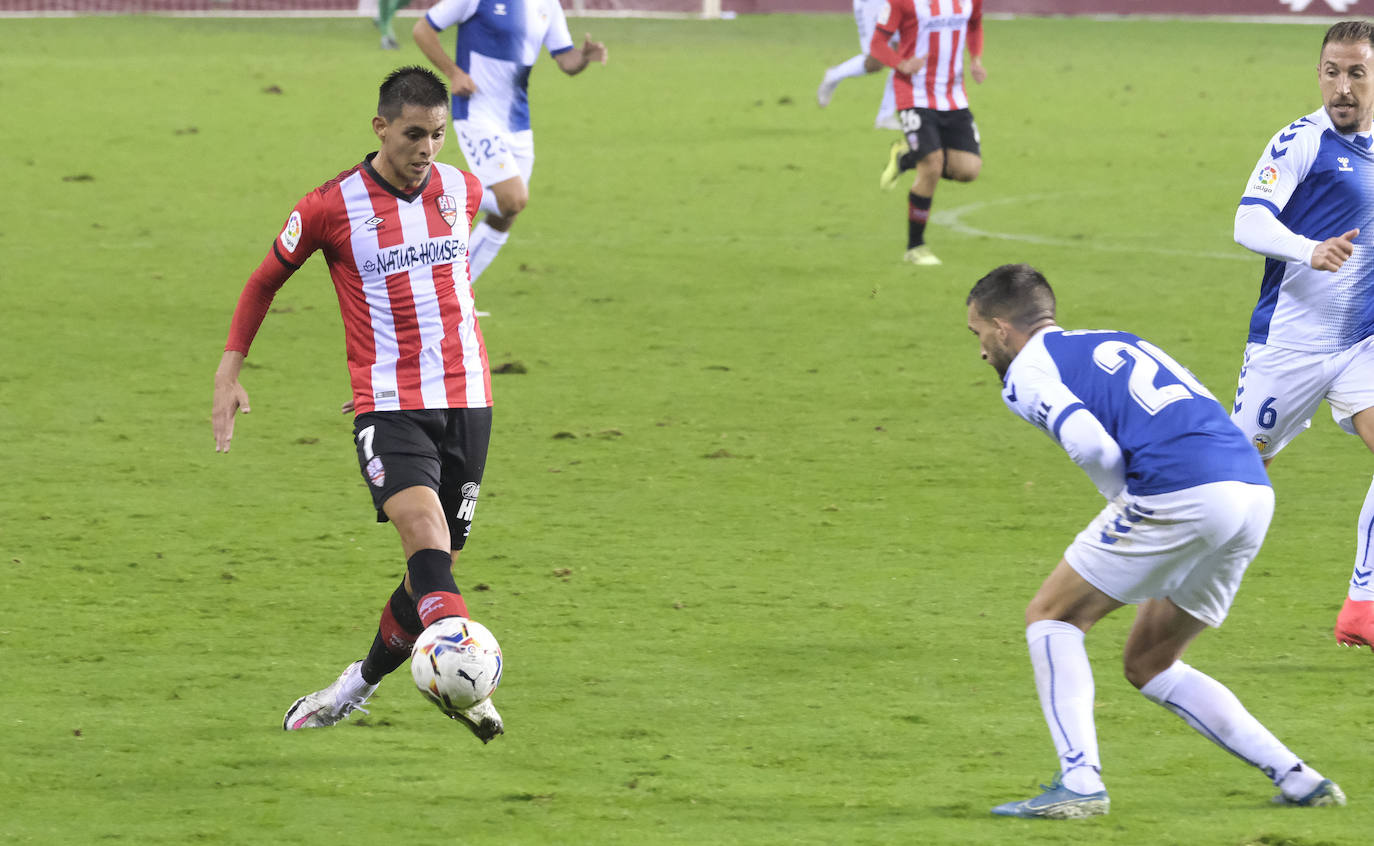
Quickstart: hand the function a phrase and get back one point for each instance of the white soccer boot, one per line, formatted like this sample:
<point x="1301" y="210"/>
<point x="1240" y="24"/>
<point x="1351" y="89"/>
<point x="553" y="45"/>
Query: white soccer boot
<point x="482" y="720"/>
<point x="826" y="90"/>
<point x="333" y="704"/>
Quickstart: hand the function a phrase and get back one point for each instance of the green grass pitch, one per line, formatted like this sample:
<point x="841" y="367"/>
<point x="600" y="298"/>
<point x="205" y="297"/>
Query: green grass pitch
<point x="756" y="533"/>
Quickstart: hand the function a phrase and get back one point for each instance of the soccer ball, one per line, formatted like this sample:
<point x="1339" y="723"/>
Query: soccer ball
<point x="456" y="664"/>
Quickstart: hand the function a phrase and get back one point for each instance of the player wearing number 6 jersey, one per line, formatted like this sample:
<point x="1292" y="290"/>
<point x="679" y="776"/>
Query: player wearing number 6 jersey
<point x="1188" y="507"/>
<point x="394" y="232"/>
<point x="1309" y="209"/>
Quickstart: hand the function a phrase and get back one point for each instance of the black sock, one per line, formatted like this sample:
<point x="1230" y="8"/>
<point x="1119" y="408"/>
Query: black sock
<point x="907" y="160"/>
<point x="918" y="213"/>
<point x="431" y="570"/>
<point x="396" y="633"/>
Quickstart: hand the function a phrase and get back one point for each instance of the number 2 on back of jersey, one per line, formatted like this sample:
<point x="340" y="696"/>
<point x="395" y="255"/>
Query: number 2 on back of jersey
<point x="1144" y="360"/>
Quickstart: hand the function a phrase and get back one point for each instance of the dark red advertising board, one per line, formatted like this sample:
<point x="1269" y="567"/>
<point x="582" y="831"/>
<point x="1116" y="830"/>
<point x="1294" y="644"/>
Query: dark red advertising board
<point x="1246" y="8"/>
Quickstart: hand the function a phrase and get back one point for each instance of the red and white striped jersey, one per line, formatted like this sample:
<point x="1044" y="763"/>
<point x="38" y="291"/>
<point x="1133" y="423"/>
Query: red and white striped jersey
<point x="939" y="30"/>
<point x="400" y="268"/>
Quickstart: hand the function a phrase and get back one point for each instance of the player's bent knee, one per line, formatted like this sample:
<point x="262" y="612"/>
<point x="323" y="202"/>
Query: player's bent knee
<point x="418" y="517"/>
<point x="963" y="168"/>
<point x="512" y="206"/>
<point x="1140" y="669"/>
<point x="966" y="174"/>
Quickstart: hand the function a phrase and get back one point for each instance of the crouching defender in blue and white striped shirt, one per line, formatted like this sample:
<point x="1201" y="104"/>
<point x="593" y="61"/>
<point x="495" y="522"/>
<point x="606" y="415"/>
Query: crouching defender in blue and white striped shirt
<point x="1188" y="507"/>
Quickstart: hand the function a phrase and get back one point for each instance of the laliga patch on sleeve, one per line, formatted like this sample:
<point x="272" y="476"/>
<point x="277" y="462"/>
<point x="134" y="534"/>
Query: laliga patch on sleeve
<point x="291" y="235"/>
<point x="884" y="13"/>
<point x="1266" y="179"/>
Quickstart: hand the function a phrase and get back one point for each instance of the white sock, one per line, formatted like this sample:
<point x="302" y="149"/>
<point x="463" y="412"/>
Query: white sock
<point x="483" y="246"/>
<point x="851" y="67"/>
<point x="1299" y="781"/>
<point x="489" y="204"/>
<point x="1064" y="680"/>
<point x="1362" y="579"/>
<point x="1214" y="711"/>
<point x="354" y="688"/>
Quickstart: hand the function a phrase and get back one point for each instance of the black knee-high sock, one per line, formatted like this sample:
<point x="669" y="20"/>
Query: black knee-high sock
<point x="918" y="213"/>
<point x="396" y="633"/>
<point x="431" y="583"/>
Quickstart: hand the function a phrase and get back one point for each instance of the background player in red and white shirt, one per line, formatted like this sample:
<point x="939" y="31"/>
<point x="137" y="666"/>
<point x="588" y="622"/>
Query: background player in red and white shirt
<point x="941" y="139"/>
<point x="865" y="18"/>
<point x="394" y="233"/>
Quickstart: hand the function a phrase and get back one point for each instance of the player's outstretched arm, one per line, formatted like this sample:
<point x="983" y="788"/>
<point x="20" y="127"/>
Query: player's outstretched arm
<point x="572" y="62"/>
<point x="230" y="398"/>
<point x="1332" y="253"/>
<point x="427" y="39"/>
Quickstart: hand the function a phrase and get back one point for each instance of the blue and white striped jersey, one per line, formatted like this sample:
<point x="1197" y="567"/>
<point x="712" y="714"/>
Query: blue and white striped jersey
<point x="498" y="44"/>
<point x="1172" y="433"/>
<point x="1319" y="184"/>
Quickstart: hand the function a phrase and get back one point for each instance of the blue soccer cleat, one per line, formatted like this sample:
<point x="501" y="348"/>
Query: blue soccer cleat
<point x="1324" y="795"/>
<point x="1057" y="803"/>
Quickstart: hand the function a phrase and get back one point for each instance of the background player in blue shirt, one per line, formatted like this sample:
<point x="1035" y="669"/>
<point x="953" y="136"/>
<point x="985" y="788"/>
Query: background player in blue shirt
<point x="1309" y="209"/>
<point x="498" y="43"/>
<point x="1188" y="506"/>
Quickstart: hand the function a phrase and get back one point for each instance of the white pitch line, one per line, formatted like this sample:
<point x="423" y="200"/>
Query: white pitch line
<point x="953" y="219"/>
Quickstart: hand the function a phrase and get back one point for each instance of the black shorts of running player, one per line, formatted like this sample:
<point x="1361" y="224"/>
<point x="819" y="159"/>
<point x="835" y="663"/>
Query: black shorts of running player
<point x="928" y="130"/>
<point x="443" y="449"/>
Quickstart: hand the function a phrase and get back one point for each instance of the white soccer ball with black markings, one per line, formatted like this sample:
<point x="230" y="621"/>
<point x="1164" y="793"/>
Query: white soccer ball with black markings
<point x="456" y="663"/>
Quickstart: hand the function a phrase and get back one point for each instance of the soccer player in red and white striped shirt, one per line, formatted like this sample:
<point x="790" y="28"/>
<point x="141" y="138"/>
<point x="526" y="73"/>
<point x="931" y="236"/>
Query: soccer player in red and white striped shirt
<point x="941" y="139"/>
<point x="394" y="232"/>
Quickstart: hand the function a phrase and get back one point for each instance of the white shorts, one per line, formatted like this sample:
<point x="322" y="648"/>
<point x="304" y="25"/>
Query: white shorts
<point x="1190" y="546"/>
<point x="1280" y="390"/>
<point x="494" y="154"/>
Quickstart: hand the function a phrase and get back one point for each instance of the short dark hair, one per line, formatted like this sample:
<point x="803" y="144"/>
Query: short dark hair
<point x="1017" y="293"/>
<point x="1349" y="32"/>
<point x="410" y="86"/>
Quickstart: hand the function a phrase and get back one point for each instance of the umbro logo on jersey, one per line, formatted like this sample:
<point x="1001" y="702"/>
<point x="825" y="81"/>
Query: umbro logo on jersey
<point x="1344" y="162"/>
<point x="448" y="208"/>
<point x="374" y="223"/>
<point x="500" y="9"/>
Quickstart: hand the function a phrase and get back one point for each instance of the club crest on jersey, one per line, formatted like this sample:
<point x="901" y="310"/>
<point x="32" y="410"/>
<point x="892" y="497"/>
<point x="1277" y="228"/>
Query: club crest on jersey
<point x="1261" y="442"/>
<point x="291" y="235"/>
<point x="448" y="208"/>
